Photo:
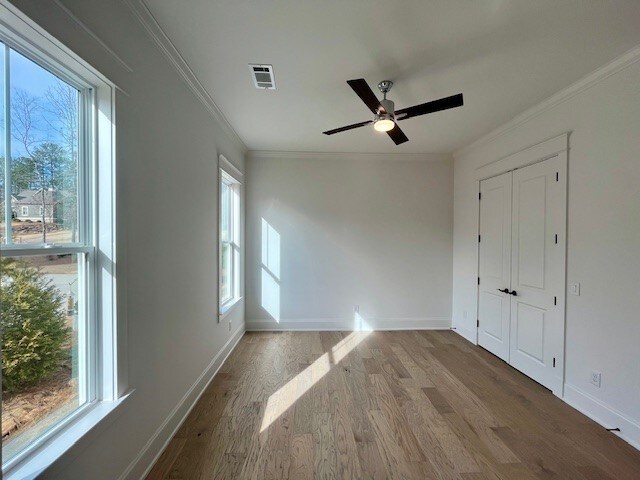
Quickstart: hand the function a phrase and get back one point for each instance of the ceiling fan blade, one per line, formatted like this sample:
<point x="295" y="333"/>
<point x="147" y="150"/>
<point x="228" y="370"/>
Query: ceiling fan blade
<point x="365" y="93"/>
<point x="397" y="135"/>
<point x="347" y="127"/>
<point x="430" y="107"/>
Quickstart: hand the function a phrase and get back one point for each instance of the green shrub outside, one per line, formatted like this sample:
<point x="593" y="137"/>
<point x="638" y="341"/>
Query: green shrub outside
<point x="34" y="331"/>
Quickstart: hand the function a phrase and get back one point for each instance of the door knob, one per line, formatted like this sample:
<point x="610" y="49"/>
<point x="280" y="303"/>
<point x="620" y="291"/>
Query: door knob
<point x="503" y="290"/>
<point x="514" y="293"/>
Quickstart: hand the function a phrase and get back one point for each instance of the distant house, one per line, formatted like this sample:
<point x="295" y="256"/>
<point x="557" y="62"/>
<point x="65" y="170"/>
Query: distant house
<point x="27" y="205"/>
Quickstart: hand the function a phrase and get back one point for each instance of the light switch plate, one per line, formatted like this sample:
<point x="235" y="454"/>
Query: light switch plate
<point x="574" y="289"/>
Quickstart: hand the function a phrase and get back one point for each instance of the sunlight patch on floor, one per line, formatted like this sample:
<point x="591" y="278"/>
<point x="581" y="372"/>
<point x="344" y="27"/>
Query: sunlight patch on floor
<point x="289" y="394"/>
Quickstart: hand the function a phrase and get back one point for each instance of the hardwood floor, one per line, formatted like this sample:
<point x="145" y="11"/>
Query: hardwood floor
<point x="384" y="405"/>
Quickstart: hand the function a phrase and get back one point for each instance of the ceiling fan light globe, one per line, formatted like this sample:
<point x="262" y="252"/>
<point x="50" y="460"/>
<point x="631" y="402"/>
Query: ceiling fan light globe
<point x="384" y="125"/>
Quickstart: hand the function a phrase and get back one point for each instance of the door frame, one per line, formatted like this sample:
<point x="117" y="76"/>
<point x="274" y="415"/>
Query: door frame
<point x="557" y="146"/>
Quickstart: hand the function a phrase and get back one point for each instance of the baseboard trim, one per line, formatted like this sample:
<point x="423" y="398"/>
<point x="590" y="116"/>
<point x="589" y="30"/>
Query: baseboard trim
<point x="348" y="325"/>
<point x="588" y="405"/>
<point x="604" y="414"/>
<point x="466" y="333"/>
<point x="147" y="457"/>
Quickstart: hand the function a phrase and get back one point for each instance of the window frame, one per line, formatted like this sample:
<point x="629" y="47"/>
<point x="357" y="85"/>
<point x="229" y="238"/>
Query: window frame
<point x="96" y="239"/>
<point x="230" y="176"/>
<point x="225" y="181"/>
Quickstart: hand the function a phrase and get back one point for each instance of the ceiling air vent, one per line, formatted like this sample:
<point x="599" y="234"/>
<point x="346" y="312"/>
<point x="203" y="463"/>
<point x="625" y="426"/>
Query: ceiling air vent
<point x="263" y="76"/>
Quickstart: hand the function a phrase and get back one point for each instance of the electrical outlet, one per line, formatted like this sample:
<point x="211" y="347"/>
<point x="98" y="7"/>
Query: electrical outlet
<point x="596" y="378"/>
<point x="574" y="289"/>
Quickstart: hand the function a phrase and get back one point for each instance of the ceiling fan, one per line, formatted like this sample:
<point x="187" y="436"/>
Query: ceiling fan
<point x="384" y="115"/>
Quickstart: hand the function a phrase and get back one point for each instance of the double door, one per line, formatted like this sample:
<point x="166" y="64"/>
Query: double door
<point x="521" y="269"/>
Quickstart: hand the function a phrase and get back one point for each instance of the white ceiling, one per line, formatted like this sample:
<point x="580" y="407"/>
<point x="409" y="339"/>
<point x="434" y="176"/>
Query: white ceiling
<point x="504" y="55"/>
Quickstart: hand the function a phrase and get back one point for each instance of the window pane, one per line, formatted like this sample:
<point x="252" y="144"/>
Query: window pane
<point x="225" y="212"/>
<point x="3" y="150"/>
<point x="225" y="273"/>
<point x="44" y="154"/>
<point x="44" y="360"/>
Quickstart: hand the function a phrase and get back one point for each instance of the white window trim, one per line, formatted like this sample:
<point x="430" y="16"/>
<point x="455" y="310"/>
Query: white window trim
<point x="228" y="307"/>
<point x="25" y="211"/>
<point x="22" y="34"/>
<point x="228" y="172"/>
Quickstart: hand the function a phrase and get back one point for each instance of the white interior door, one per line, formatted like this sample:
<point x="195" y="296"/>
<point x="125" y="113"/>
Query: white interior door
<point x="495" y="265"/>
<point x="537" y="271"/>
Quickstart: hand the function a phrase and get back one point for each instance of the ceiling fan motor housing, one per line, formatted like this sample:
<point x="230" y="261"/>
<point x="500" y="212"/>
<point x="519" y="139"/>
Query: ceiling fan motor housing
<point x="387" y="110"/>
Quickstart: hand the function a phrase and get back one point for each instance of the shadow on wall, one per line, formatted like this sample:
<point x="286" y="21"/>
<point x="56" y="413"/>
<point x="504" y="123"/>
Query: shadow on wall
<point x="270" y="277"/>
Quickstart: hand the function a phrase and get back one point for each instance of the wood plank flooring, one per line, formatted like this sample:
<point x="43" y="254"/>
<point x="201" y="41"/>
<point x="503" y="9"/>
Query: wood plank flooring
<point x="384" y="405"/>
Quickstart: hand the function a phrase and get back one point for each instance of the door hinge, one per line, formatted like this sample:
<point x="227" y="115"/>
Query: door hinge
<point x="556" y="238"/>
<point x="478" y="280"/>
<point x="555" y="300"/>
<point x="478" y="323"/>
<point x="479" y="195"/>
<point x="478" y="238"/>
<point x="557" y="176"/>
<point x="554" y="362"/>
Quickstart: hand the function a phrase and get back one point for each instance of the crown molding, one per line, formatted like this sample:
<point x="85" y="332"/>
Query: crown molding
<point x="617" y="65"/>
<point x="272" y="154"/>
<point x="93" y="35"/>
<point x="155" y="31"/>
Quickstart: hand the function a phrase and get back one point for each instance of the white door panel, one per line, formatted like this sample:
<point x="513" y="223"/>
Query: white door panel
<point x="530" y="224"/>
<point x="536" y="320"/>
<point x="492" y="305"/>
<point x="529" y="338"/>
<point x="495" y="264"/>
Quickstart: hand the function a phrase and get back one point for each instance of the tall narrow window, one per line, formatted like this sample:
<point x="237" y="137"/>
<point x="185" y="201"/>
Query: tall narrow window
<point x="229" y="240"/>
<point x="56" y="239"/>
<point x="45" y="255"/>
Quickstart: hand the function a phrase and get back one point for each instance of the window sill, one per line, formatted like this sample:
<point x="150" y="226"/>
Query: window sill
<point x="66" y="443"/>
<point x="228" y="307"/>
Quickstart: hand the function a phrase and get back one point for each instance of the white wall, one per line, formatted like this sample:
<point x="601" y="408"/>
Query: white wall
<point x="374" y="232"/>
<point x="167" y="149"/>
<point x="367" y="230"/>
<point x="602" y="324"/>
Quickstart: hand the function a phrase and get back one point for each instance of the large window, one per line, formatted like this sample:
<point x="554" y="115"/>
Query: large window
<point x="56" y="241"/>
<point x="229" y="239"/>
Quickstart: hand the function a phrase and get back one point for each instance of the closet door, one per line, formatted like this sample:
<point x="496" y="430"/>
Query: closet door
<point x="495" y="265"/>
<point x="537" y="268"/>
